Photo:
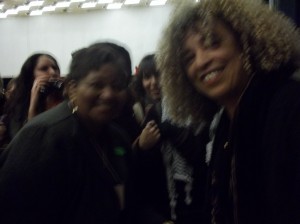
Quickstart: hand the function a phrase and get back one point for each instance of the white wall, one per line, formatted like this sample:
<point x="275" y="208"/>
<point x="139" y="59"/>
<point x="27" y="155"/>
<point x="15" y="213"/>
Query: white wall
<point x="60" y="34"/>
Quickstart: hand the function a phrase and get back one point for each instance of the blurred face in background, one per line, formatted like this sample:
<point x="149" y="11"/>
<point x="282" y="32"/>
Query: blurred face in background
<point x="46" y="67"/>
<point x="151" y="85"/>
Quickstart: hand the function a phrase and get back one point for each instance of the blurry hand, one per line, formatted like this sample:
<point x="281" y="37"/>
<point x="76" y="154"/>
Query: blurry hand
<point x="149" y="136"/>
<point x="39" y="85"/>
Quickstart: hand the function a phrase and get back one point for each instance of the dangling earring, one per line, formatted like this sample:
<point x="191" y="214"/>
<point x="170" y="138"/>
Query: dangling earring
<point x="74" y="110"/>
<point x="73" y="107"/>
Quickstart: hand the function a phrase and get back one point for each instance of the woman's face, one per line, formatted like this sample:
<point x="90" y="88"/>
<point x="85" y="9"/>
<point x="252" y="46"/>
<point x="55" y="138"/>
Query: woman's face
<point x="46" y="67"/>
<point x="151" y="86"/>
<point x="215" y="69"/>
<point x="100" y="96"/>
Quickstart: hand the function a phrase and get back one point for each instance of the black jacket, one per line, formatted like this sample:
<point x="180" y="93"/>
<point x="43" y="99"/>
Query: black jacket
<point x="152" y="179"/>
<point x="51" y="173"/>
<point x="264" y="146"/>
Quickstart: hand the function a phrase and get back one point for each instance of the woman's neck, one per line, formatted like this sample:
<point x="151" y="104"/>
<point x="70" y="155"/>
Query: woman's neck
<point x="232" y="103"/>
<point x="230" y="108"/>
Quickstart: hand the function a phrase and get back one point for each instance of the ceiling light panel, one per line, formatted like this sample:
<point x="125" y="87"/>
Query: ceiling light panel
<point x="157" y="2"/>
<point x="36" y="3"/>
<point x="114" y="6"/>
<point x="77" y="1"/>
<point x="88" y="5"/>
<point x="64" y="4"/>
<point x="131" y="2"/>
<point x="36" y="13"/>
<point x="11" y="12"/>
<point x="25" y="7"/>
<point x="49" y="8"/>
<point x="105" y="1"/>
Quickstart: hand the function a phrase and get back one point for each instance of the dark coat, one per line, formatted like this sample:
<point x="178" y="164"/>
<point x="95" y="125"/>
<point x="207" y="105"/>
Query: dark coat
<point x="152" y="185"/>
<point x="264" y="143"/>
<point x="51" y="173"/>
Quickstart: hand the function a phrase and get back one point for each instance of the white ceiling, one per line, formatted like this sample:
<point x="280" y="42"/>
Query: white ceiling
<point x="73" y="8"/>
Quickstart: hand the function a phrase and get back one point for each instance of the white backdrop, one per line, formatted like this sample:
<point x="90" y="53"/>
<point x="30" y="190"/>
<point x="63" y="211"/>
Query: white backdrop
<point x="138" y="29"/>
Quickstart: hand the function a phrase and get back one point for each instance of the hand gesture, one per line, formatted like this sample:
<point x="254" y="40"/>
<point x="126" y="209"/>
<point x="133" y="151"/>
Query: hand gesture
<point x="149" y="136"/>
<point x="39" y="85"/>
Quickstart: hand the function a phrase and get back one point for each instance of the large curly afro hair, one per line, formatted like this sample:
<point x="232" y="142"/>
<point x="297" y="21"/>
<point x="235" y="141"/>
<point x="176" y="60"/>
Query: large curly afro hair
<point x="268" y="40"/>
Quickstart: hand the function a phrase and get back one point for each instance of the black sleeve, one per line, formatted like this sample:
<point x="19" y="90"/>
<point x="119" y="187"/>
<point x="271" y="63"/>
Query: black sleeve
<point x="32" y="178"/>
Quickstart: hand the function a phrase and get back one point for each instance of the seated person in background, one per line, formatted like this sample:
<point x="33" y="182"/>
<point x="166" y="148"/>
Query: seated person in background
<point x="70" y="163"/>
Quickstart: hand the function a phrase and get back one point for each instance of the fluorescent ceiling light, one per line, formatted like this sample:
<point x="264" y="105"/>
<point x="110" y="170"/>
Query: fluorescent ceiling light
<point x="36" y="3"/>
<point x="131" y="2"/>
<point x="157" y="2"/>
<point x="3" y="15"/>
<point x="114" y="6"/>
<point x="105" y="1"/>
<point x="36" y="13"/>
<point x="77" y="1"/>
<point x="62" y="4"/>
<point x="11" y="12"/>
<point x="49" y="8"/>
<point x="23" y="8"/>
<point x="88" y="5"/>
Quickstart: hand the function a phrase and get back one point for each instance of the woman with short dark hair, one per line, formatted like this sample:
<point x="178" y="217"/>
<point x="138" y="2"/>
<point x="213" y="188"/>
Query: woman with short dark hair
<point x="70" y="164"/>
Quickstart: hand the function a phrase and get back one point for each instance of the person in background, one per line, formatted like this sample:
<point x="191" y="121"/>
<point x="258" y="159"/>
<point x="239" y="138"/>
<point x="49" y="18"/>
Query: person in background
<point x="147" y="90"/>
<point x="70" y="164"/>
<point x="8" y="91"/>
<point x="170" y="160"/>
<point x="10" y="87"/>
<point x="151" y="186"/>
<point x="235" y="62"/>
<point x="2" y="96"/>
<point x="39" y="89"/>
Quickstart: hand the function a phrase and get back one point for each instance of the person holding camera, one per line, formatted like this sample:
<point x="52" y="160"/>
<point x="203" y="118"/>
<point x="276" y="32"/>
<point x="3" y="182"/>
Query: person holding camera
<point x="38" y="88"/>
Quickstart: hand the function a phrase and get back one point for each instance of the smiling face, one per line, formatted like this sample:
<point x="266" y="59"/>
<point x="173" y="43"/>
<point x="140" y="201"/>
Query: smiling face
<point x="215" y="68"/>
<point x="151" y="85"/>
<point x="100" y="96"/>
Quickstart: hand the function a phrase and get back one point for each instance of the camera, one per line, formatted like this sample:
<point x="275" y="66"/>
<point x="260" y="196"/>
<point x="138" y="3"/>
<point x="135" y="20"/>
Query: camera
<point x="53" y="85"/>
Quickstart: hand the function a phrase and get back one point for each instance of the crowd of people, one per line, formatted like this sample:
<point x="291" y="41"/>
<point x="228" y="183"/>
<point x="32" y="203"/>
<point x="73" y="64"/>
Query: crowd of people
<point x="206" y="131"/>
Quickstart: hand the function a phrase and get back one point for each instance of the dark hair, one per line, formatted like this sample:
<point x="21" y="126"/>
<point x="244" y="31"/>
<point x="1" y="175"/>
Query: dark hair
<point x="146" y="67"/>
<point x="95" y="56"/>
<point x="19" y="102"/>
<point x="10" y="83"/>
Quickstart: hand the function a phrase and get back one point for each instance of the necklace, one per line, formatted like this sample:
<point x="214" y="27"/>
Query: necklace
<point x="118" y="187"/>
